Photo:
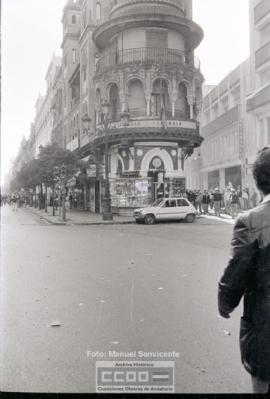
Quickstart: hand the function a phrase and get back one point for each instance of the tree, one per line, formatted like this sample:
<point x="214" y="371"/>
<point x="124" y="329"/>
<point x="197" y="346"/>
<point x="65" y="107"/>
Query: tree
<point x="41" y="170"/>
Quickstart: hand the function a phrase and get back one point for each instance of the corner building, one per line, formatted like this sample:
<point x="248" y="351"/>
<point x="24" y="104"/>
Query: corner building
<point x="146" y="70"/>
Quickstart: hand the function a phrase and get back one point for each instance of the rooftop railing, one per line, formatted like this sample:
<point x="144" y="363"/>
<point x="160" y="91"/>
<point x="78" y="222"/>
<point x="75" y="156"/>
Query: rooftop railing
<point x="146" y="56"/>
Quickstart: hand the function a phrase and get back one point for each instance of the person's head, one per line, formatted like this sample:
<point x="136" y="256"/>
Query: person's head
<point x="261" y="170"/>
<point x="216" y="189"/>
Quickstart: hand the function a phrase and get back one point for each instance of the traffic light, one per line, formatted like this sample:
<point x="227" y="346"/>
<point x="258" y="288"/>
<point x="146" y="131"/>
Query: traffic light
<point x="55" y="171"/>
<point x="63" y="172"/>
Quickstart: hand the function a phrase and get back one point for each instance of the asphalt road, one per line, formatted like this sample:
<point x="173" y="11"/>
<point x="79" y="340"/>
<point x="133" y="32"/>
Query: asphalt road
<point x="123" y="288"/>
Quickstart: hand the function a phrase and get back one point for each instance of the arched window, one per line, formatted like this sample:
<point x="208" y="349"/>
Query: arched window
<point x="98" y="11"/>
<point x="181" y="105"/>
<point x="136" y="98"/>
<point x="73" y="19"/>
<point x="160" y="97"/>
<point x="115" y="103"/>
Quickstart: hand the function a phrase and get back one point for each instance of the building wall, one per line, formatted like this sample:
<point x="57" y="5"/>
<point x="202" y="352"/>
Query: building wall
<point x="44" y="115"/>
<point x="258" y="100"/>
<point x="232" y="140"/>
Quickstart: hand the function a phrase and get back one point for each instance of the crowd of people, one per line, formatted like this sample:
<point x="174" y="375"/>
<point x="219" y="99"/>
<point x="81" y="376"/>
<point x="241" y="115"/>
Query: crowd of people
<point x="229" y="201"/>
<point x="16" y="200"/>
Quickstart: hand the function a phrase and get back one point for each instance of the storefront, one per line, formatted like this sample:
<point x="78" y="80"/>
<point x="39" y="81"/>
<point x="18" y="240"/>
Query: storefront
<point x="134" y="192"/>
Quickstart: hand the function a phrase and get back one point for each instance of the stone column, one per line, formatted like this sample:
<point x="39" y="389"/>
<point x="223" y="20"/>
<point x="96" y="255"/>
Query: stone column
<point x="191" y="102"/>
<point x="123" y="101"/>
<point x="174" y="99"/>
<point x="148" y="103"/>
<point x="222" y="179"/>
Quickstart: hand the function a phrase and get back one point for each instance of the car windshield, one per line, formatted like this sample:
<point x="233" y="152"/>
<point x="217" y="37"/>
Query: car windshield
<point x="157" y="202"/>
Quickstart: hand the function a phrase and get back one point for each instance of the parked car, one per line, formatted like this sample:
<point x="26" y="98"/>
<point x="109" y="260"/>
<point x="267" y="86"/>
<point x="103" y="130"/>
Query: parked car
<point x="166" y="209"/>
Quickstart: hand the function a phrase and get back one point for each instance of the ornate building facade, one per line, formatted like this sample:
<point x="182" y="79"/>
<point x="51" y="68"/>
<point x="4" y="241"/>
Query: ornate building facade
<point x="138" y="56"/>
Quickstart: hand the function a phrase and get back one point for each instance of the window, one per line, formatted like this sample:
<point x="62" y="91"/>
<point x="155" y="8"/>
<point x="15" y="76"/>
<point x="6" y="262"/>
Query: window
<point x="170" y="204"/>
<point x="73" y="19"/>
<point x="73" y="55"/>
<point x="156" y="38"/>
<point x="98" y="12"/>
<point x="182" y="202"/>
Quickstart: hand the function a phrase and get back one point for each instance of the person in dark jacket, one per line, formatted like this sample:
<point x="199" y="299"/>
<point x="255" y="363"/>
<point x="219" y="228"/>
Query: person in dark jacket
<point x="205" y="202"/>
<point x="248" y="275"/>
<point x="217" y="198"/>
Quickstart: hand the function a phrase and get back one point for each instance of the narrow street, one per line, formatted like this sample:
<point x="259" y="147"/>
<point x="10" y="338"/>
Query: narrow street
<point x="119" y="287"/>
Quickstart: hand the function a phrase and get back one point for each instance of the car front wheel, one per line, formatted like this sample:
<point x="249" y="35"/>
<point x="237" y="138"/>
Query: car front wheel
<point x="149" y="219"/>
<point x="190" y="218"/>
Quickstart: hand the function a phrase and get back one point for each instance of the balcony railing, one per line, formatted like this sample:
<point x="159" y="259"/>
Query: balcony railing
<point x="262" y="55"/>
<point x="146" y="56"/>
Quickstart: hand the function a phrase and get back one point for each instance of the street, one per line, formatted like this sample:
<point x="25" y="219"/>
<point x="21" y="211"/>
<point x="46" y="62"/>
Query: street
<point x="118" y="287"/>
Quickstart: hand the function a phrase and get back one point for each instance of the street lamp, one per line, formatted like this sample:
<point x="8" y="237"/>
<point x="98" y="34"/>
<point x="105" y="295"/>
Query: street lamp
<point x="107" y="213"/>
<point x="86" y="121"/>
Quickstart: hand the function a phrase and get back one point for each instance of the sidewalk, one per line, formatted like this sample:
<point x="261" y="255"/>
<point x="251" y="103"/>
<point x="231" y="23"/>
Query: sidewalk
<point x="77" y="217"/>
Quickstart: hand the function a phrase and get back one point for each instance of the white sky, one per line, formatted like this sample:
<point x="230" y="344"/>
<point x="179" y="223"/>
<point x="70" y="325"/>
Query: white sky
<point x="32" y="31"/>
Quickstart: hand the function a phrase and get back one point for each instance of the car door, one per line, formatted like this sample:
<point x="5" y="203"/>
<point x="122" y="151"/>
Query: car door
<point x="168" y="210"/>
<point x="158" y="210"/>
<point x="183" y="208"/>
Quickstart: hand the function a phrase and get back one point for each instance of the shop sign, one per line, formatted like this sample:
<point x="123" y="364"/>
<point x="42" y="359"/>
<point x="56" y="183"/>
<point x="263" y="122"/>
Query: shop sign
<point x="130" y="174"/>
<point x="91" y="171"/>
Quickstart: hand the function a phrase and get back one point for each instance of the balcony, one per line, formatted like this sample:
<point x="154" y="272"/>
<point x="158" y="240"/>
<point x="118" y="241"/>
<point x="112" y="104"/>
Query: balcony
<point x="259" y="99"/>
<point x="192" y="32"/>
<point x="262" y="58"/>
<point x="262" y="14"/>
<point x="149" y="129"/>
<point x="146" y="56"/>
<point x="229" y="117"/>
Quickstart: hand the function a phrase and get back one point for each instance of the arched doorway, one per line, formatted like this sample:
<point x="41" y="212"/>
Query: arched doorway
<point x="136" y="98"/>
<point x="181" y="105"/>
<point x="160" y="97"/>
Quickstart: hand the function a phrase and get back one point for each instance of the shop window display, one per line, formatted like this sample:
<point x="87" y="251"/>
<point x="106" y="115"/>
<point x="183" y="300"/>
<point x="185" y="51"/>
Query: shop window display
<point x="130" y="192"/>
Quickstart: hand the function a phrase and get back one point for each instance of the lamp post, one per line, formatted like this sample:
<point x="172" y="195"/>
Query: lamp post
<point x="107" y="213"/>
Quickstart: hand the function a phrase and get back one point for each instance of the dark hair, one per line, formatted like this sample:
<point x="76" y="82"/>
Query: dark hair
<point x="261" y="170"/>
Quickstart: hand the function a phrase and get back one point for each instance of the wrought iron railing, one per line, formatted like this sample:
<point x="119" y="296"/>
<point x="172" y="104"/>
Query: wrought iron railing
<point x="146" y="56"/>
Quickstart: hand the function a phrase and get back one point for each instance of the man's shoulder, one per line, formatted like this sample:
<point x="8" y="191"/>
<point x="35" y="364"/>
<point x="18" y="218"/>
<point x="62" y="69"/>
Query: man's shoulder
<point x="257" y="217"/>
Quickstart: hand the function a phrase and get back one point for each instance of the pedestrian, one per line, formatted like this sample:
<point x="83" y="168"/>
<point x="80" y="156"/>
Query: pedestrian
<point x="239" y="193"/>
<point x="254" y="198"/>
<point x="234" y="201"/>
<point x="205" y="202"/>
<point x="227" y="200"/>
<point x="248" y="275"/>
<point x="70" y="199"/>
<point x="198" y="200"/>
<point x="245" y="196"/>
<point x="217" y="198"/>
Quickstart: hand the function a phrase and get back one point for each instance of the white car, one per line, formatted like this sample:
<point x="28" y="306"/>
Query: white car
<point x="166" y="209"/>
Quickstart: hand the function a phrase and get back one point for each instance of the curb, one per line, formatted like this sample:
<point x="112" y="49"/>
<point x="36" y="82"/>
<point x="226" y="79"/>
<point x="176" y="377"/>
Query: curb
<point x="70" y="223"/>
